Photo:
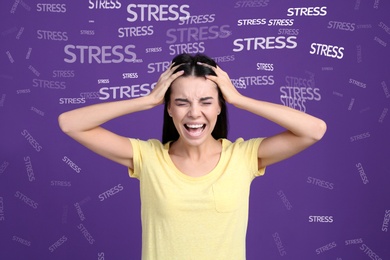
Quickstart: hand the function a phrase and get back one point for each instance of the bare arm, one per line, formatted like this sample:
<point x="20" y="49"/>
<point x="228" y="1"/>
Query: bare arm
<point x="83" y="124"/>
<point x="302" y="130"/>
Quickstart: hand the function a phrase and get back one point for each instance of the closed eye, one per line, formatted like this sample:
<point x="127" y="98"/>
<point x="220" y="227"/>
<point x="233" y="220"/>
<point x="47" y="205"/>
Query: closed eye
<point x="181" y="102"/>
<point x="206" y="100"/>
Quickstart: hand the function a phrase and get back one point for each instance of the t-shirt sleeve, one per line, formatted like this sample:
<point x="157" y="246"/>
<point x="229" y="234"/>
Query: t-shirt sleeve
<point x="250" y="150"/>
<point x="255" y="148"/>
<point x="144" y="151"/>
<point x="137" y="158"/>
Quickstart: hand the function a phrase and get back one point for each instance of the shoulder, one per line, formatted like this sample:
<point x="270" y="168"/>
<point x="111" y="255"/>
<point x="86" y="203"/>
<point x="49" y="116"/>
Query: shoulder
<point x="242" y="144"/>
<point x="151" y="144"/>
<point x="243" y="155"/>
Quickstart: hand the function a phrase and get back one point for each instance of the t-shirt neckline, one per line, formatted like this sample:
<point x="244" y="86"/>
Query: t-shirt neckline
<point x="190" y="178"/>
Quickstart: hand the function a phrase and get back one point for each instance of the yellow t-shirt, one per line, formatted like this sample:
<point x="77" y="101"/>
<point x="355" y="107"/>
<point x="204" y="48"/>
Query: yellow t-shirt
<point x="197" y="218"/>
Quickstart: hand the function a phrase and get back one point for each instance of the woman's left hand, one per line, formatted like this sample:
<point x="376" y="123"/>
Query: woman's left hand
<point x="223" y="81"/>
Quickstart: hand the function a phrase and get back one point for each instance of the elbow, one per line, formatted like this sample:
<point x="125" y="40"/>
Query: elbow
<point x="319" y="130"/>
<point x="63" y="122"/>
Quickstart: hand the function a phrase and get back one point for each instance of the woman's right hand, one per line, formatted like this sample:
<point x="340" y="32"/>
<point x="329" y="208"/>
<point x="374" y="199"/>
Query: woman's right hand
<point x="165" y="80"/>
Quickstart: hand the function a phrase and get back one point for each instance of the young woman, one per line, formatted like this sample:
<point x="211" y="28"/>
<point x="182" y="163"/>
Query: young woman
<point x="194" y="185"/>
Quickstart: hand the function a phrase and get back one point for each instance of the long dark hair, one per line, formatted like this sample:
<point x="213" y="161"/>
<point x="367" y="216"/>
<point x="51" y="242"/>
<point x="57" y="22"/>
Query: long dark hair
<point x="191" y="67"/>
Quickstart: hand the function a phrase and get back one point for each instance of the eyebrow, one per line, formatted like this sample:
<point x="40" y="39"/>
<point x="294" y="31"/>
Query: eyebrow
<point x="186" y="100"/>
<point x="205" y="98"/>
<point x="181" y="100"/>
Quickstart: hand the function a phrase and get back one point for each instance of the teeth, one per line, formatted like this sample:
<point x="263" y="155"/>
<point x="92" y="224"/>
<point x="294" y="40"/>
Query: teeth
<point x="195" y="126"/>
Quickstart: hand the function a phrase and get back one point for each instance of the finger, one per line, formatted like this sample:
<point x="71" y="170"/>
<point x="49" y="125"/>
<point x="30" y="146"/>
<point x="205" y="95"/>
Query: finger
<point x="176" y="65"/>
<point x="206" y="65"/>
<point x="216" y="69"/>
<point x="169" y="71"/>
<point x="176" y="75"/>
<point x="173" y="68"/>
<point x="173" y="64"/>
<point x="213" y="78"/>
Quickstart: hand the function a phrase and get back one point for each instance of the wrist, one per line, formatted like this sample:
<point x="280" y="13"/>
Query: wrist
<point x="238" y="101"/>
<point x="150" y="101"/>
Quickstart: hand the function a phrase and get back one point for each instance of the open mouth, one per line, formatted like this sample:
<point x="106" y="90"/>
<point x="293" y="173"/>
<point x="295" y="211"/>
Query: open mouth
<point x="195" y="129"/>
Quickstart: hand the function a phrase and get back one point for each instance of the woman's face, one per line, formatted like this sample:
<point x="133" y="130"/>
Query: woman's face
<point x="194" y="108"/>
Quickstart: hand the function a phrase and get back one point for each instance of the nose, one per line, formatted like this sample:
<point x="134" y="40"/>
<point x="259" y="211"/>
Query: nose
<point x="194" y="111"/>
